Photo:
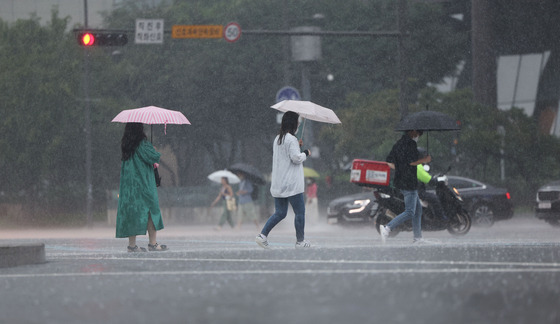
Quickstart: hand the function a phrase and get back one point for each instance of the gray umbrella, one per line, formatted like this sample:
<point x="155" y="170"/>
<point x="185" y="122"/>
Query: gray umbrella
<point x="252" y="173"/>
<point x="428" y="120"/>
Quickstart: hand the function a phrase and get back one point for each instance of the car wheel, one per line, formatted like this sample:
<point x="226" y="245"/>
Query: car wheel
<point x="554" y="222"/>
<point x="483" y="215"/>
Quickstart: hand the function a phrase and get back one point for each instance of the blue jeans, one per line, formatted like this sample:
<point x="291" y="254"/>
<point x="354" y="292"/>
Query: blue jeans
<point x="281" y="210"/>
<point x="412" y="209"/>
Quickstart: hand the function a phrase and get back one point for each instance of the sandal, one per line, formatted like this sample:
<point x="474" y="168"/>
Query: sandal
<point x="135" y="249"/>
<point x="157" y="247"/>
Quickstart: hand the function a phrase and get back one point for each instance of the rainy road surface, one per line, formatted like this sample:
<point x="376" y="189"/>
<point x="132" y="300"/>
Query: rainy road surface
<point x="509" y="273"/>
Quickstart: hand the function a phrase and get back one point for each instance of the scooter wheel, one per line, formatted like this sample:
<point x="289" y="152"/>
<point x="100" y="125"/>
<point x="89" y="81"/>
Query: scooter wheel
<point x="460" y="224"/>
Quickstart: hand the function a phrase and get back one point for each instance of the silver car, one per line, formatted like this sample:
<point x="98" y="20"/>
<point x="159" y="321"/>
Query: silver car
<point x="547" y="205"/>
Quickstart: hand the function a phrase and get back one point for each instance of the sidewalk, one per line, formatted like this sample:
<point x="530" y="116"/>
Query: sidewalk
<point x="15" y="255"/>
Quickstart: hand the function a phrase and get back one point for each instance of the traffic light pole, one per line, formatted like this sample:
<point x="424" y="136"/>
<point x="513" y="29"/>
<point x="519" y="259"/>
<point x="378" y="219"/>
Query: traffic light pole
<point x="87" y="121"/>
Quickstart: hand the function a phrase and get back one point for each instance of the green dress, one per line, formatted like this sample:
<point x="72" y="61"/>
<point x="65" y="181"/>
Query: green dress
<point x="138" y="197"/>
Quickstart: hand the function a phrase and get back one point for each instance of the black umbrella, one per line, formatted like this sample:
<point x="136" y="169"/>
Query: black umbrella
<point x="252" y="173"/>
<point x="428" y="120"/>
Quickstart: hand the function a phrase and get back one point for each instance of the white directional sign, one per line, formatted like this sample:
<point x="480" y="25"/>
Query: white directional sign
<point x="149" y="31"/>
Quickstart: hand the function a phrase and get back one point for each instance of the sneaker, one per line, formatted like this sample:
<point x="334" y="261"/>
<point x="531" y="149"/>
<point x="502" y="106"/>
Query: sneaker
<point x="303" y="244"/>
<point x="262" y="241"/>
<point x="384" y="232"/>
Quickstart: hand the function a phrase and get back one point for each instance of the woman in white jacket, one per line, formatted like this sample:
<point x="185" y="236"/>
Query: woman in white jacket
<point x="287" y="184"/>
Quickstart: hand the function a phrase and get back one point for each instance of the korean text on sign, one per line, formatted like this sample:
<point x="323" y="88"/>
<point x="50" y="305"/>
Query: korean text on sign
<point x="149" y="31"/>
<point x="196" y="31"/>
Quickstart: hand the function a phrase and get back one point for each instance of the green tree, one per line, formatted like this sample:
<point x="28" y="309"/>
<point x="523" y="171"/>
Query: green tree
<point x="37" y="85"/>
<point x="41" y="104"/>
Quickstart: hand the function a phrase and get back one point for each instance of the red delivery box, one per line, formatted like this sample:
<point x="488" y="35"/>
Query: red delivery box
<point x="370" y="173"/>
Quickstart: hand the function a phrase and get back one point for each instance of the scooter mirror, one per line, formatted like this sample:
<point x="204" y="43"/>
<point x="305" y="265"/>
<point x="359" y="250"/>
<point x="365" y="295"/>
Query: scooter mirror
<point x="427" y="167"/>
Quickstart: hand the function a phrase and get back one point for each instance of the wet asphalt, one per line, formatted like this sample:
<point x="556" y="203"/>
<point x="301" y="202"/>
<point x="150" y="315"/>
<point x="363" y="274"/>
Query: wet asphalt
<point x="509" y="273"/>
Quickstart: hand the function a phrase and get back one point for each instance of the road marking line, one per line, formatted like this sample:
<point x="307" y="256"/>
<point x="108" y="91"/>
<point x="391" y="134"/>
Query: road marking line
<point x="421" y="262"/>
<point x="279" y="272"/>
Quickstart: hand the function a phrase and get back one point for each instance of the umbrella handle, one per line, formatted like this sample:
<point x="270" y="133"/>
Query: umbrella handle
<point x="302" y="128"/>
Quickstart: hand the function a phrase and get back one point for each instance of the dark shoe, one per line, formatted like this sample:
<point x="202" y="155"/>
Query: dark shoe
<point x="135" y="249"/>
<point x="157" y="247"/>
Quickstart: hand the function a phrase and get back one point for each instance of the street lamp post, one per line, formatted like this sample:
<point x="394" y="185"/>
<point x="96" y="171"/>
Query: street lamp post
<point x="306" y="49"/>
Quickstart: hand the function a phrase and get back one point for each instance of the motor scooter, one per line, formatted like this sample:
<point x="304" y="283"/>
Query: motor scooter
<point x="390" y="203"/>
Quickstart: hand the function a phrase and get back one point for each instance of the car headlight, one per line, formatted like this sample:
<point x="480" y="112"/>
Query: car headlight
<point x="357" y="206"/>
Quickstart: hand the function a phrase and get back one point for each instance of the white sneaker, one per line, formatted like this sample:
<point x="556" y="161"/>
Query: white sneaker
<point x="303" y="244"/>
<point x="262" y="241"/>
<point x="384" y="232"/>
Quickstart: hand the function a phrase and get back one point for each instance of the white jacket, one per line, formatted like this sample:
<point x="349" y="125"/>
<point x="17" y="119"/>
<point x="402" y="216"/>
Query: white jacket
<point x="287" y="168"/>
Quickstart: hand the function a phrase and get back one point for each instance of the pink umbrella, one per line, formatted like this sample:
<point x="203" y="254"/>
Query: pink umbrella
<point x="151" y="115"/>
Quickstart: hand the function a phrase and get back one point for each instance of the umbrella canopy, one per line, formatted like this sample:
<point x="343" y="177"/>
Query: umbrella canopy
<point x="428" y="120"/>
<point x="310" y="173"/>
<point x="250" y="172"/>
<point x="308" y="110"/>
<point x="151" y="115"/>
<point x="217" y="176"/>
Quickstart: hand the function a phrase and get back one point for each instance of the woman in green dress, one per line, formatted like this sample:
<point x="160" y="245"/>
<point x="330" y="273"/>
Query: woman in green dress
<point x="138" y="209"/>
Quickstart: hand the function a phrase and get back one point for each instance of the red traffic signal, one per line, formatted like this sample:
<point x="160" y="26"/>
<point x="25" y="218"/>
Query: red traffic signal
<point x="102" y="39"/>
<point x="86" y="39"/>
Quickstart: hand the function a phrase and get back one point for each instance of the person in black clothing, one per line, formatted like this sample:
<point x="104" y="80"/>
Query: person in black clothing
<point x="404" y="156"/>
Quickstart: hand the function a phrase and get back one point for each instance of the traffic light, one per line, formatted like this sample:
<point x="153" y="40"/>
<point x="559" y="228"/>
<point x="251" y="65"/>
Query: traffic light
<point x="102" y="39"/>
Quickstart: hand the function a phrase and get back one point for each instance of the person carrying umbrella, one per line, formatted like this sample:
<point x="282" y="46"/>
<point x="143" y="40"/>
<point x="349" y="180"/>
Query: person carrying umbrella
<point x="246" y="208"/>
<point x="226" y="195"/>
<point x="138" y="209"/>
<point x="287" y="181"/>
<point x="404" y="156"/>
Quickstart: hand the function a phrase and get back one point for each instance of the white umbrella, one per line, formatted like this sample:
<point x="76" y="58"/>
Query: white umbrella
<point x="218" y="175"/>
<point x="308" y="110"/>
